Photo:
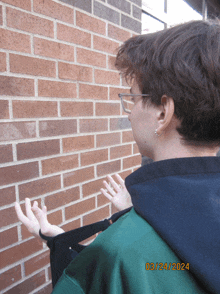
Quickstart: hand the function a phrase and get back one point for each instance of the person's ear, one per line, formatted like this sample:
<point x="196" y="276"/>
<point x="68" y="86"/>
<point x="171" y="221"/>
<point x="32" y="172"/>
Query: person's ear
<point x="165" y="113"/>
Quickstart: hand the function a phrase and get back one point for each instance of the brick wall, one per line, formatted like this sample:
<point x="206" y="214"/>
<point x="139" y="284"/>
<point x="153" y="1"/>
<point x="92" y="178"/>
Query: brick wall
<point x="62" y="129"/>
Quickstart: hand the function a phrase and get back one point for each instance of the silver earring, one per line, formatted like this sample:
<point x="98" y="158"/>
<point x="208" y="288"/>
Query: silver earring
<point x="156" y="133"/>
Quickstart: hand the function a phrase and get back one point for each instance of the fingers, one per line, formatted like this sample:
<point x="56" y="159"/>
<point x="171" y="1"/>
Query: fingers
<point x="114" y="184"/>
<point x="121" y="181"/>
<point x="29" y="212"/>
<point x="41" y="215"/>
<point x="109" y="188"/>
<point x="106" y="194"/>
<point x="20" y="214"/>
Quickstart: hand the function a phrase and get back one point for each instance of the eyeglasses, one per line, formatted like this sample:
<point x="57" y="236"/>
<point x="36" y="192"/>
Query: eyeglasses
<point x="127" y="100"/>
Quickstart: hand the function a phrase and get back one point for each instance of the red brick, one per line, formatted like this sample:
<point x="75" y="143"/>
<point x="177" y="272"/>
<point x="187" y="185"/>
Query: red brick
<point x="105" y="45"/>
<point x="125" y="174"/>
<point x="4" y="109"/>
<point x="17" y="130"/>
<point x="17" y="173"/>
<point x="117" y="33"/>
<point x="102" y="200"/>
<point x="29" y="285"/>
<point x="37" y="149"/>
<point x="56" y="89"/>
<point x="107" y="77"/>
<point x="53" y="49"/>
<point x="96" y="216"/>
<point x="20" y="251"/>
<point x="93" y="92"/>
<point x="2" y="61"/>
<point x="62" y="198"/>
<point x="7" y="196"/>
<point x="15" y="41"/>
<point x="46" y="290"/>
<point x="24" y="231"/>
<point x="39" y="187"/>
<point x="135" y="148"/>
<point x="9" y="277"/>
<point x="132" y="161"/>
<point x="107" y="139"/>
<point x="92" y="187"/>
<point x="107" y="109"/>
<point x="71" y="225"/>
<point x="29" y="23"/>
<point x="16" y="86"/>
<point x="108" y="168"/>
<point x="1" y="21"/>
<point x="91" y="57"/>
<point x="8" y="237"/>
<point x="90" y="23"/>
<point x="57" y="164"/>
<point x="120" y="151"/>
<point x="127" y="137"/>
<point x="57" y="127"/>
<point x="119" y="123"/>
<point x="115" y="91"/>
<point x="29" y="109"/>
<point x="76" y="109"/>
<point x="79" y="208"/>
<point x="92" y="157"/>
<point x="55" y="218"/>
<point x="36" y="262"/>
<point x="24" y="4"/>
<point x="93" y="125"/>
<point x="54" y="10"/>
<point x="6" y="153"/>
<point x="32" y="66"/>
<point x="78" y="143"/>
<point x="74" y="72"/>
<point x="111" y="62"/>
<point x="78" y="176"/>
<point x="73" y="35"/>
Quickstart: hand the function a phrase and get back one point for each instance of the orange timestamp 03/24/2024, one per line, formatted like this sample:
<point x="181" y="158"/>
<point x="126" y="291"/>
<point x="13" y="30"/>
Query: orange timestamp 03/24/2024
<point x="174" y="266"/>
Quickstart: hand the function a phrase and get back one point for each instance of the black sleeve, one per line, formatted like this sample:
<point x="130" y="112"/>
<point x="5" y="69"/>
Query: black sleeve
<point x="65" y="247"/>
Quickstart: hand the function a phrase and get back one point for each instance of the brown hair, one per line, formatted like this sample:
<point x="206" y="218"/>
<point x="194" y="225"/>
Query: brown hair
<point x="182" y="62"/>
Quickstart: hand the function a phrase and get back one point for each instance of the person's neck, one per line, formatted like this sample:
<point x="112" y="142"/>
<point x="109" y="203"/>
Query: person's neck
<point x="176" y="149"/>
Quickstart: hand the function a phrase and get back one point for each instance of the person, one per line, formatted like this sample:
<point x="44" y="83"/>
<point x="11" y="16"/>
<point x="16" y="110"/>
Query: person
<point x="168" y="242"/>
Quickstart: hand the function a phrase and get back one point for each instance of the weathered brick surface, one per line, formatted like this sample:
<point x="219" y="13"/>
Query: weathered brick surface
<point x="57" y="164"/>
<point x="132" y="161"/>
<point x="53" y="9"/>
<point x="107" y="139"/>
<point x="75" y="72"/>
<point x="17" y="130"/>
<point x="123" y="5"/>
<point x="55" y="217"/>
<point x="91" y="57"/>
<point x="56" y="89"/>
<point x="17" y="173"/>
<point x="4" y="109"/>
<point x="73" y="35"/>
<point x="2" y="61"/>
<point x="78" y="176"/>
<point x="29" y="23"/>
<point x="14" y="41"/>
<point x="39" y="187"/>
<point x="92" y="187"/>
<point x="84" y="5"/>
<point x="80" y="208"/>
<point x="109" y="167"/>
<point x="107" y="109"/>
<point x="6" y="153"/>
<point x="8" y="237"/>
<point x="31" y="109"/>
<point x="37" y="149"/>
<point x="107" y="77"/>
<point x="90" y="23"/>
<point x="93" y="125"/>
<point x="93" y="157"/>
<point x="46" y="290"/>
<point x="53" y="49"/>
<point x="57" y="127"/>
<point x="114" y="91"/>
<point x="62" y="198"/>
<point x="71" y="225"/>
<point x="24" y="4"/>
<point x="7" y="196"/>
<point x="32" y="66"/>
<point x="120" y="151"/>
<point x="127" y="136"/>
<point x="119" y="124"/>
<point x="76" y="109"/>
<point x="103" y="44"/>
<point x="136" y="12"/>
<point x="130" y="23"/>
<point x="36" y="262"/>
<point x="118" y="33"/>
<point x="78" y="143"/>
<point x="93" y="92"/>
<point x="13" y="86"/>
<point x="96" y="216"/>
<point x="107" y="13"/>
<point x="10" y="276"/>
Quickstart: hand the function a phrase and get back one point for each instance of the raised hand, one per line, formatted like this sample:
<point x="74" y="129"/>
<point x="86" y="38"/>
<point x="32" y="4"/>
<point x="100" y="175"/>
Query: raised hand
<point x="36" y="219"/>
<point x="118" y="194"/>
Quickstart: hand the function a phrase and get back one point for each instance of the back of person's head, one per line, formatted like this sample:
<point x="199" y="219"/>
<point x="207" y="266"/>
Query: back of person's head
<point x="182" y="62"/>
